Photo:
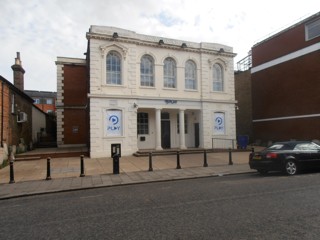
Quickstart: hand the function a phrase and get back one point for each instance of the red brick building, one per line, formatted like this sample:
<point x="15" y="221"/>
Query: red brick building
<point x="286" y="82"/>
<point x="46" y="101"/>
<point x="73" y="103"/>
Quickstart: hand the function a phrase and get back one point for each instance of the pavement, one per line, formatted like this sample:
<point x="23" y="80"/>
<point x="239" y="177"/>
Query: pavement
<point x="30" y="175"/>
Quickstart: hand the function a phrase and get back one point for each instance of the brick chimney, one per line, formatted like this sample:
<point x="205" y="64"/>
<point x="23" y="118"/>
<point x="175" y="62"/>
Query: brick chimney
<point x="18" y="73"/>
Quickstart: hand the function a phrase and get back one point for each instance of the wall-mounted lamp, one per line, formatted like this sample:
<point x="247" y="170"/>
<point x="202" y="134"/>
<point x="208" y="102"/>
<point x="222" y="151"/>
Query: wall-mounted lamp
<point x="161" y="42"/>
<point x="115" y="35"/>
<point x="135" y="105"/>
<point x="184" y="45"/>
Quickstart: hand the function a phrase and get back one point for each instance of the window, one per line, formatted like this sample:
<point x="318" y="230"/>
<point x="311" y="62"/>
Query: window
<point x="49" y="101"/>
<point x="217" y="78"/>
<point x="12" y="103"/>
<point x="36" y="101"/>
<point x="113" y="68"/>
<point x="190" y="75"/>
<point x="143" y="123"/>
<point x="169" y="73"/>
<point x="146" y="71"/>
<point x="312" y="29"/>
<point x="185" y="124"/>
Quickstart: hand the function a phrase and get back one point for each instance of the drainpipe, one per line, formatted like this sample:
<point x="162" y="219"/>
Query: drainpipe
<point x="2" y="97"/>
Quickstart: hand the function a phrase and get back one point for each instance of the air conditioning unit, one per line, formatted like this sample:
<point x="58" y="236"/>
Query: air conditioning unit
<point x="22" y="117"/>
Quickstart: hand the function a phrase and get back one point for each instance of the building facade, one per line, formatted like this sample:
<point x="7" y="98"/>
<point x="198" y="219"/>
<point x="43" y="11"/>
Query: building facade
<point x="285" y="83"/>
<point x="148" y="92"/>
<point x="44" y="100"/>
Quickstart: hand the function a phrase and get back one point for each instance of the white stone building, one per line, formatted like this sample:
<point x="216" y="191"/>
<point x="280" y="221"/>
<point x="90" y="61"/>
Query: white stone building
<point x="149" y="92"/>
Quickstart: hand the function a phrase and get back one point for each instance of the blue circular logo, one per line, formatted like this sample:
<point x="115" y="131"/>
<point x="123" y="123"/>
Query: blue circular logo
<point x="114" y="119"/>
<point x="219" y="121"/>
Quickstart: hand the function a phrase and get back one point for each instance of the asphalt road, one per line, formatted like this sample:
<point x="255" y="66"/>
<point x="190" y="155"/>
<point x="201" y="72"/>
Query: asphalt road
<point x="229" y="207"/>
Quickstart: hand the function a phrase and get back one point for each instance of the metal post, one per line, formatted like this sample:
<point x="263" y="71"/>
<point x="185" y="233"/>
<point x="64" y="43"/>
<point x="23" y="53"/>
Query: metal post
<point x="252" y="150"/>
<point x="11" y="172"/>
<point x="116" y="164"/>
<point x="81" y="166"/>
<point x="150" y="162"/>
<point x="230" y="157"/>
<point x="205" y="163"/>
<point x="48" y="169"/>
<point x="178" y="160"/>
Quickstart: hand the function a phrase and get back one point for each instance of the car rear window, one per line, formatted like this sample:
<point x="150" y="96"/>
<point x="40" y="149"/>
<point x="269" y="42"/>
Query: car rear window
<point x="279" y="146"/>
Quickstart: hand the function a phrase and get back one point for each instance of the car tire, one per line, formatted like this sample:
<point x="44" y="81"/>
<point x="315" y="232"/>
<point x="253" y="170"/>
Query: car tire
<point x="291" y="168"/>
<point x="263" y="171"/>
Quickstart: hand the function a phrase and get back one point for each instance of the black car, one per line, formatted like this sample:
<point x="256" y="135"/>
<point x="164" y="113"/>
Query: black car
<point x="289" y="157"/>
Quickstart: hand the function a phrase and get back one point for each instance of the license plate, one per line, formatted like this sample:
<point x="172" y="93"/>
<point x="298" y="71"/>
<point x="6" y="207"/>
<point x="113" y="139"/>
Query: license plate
<point x="257" y="158"/>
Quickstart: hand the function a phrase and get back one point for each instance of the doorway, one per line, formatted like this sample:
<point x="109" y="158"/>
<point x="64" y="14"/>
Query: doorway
<point x="165" y="131"/>
<point x="196" y="135"/>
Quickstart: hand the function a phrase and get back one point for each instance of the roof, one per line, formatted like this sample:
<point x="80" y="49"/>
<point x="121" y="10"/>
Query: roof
<point x="16" y="90"/>
<point x="44" y="94"/>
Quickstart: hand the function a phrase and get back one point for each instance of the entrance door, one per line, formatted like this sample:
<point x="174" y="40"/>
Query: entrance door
<point x="196" y="135"/>
<point x="165" y="130"/>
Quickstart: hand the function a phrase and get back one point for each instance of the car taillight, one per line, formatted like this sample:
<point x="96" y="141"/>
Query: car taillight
<point x="272" y="155"/>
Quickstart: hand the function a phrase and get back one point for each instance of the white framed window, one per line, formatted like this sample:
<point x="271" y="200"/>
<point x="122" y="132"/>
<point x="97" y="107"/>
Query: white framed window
<point x="146" y="71"/>
<point x="143" y="123"/>
<point x="190" y="75"/>
<point x="12" y="103"/>
<point x="312" y="29"/>
<point x="169" y="73"/>
<point x="114" y="68"/>
<point x="36" y="100"/>
<point x="218" y="81"/>
<point x="49" y="101"/>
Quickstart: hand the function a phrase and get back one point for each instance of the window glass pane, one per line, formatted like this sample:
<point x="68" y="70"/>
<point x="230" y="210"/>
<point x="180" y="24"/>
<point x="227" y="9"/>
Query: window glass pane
<point x="113" y="68"/>
<point x="146" y="71"/>
<point x="190" y="75"/>
<point x="217" y="78"/>
<point x="313" y="29"/>
<point x="143" y="123"/>
<point x="169" y="73"/>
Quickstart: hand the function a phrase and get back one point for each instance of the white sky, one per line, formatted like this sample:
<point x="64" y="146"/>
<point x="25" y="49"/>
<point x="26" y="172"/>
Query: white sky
<point x="41" y="30"/>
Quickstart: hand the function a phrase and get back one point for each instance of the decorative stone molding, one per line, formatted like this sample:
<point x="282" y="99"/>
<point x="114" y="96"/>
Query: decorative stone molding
<point x="114" y="46"/>
<point x="217" y="60"/>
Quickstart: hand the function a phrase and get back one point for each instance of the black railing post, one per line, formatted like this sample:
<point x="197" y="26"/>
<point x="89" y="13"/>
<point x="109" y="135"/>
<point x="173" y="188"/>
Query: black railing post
<point x="150" y="162"/>
<point x="82" y="166"/>
<point x="252" y="150"/>
<point x="205" y="163"/>
<point x="48" y="169"/>
<point x="178" y="160"/>
<point x="230" y="157"/>
<point x="11" y="172"/>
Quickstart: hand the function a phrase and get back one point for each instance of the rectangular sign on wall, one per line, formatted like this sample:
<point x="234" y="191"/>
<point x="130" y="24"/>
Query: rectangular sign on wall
<point x="114" y="123"/>
<point x="219" y="124"/>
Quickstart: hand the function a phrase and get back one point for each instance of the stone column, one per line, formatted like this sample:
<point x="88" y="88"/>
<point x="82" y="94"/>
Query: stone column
<point x="158" y="129"/>
<point x="182" y="130"/>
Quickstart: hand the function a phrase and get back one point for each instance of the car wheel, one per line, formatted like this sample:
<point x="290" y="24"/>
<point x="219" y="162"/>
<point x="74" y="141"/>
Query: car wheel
<point x="291" y="168"/>
<point x="263" y="171"/>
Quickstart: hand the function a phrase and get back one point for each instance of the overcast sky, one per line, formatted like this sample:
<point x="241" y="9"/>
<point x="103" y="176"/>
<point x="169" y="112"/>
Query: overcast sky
<point x="41" y="30"/>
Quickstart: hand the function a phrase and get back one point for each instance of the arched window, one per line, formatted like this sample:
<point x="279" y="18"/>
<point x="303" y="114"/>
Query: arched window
<point x="146" y="71"/>
<point x="190" y="75"/>
<point x="169" y="73"/>
<point x="113" y="68"/>
<point x="217" y="78"/>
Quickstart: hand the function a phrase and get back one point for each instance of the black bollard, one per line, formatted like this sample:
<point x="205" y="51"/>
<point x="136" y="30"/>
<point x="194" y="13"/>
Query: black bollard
<point x="230" y="157"/>
<point x="150" y="162"/>
<point x="11" y="172"/>
<point x="178" y="160"/>
<point x="116" y="164"/>
<point x="205" y="163"/>
<point x="48" y="169"/>
<point x="81" y="166"/>
<point x="252" y="150"/>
